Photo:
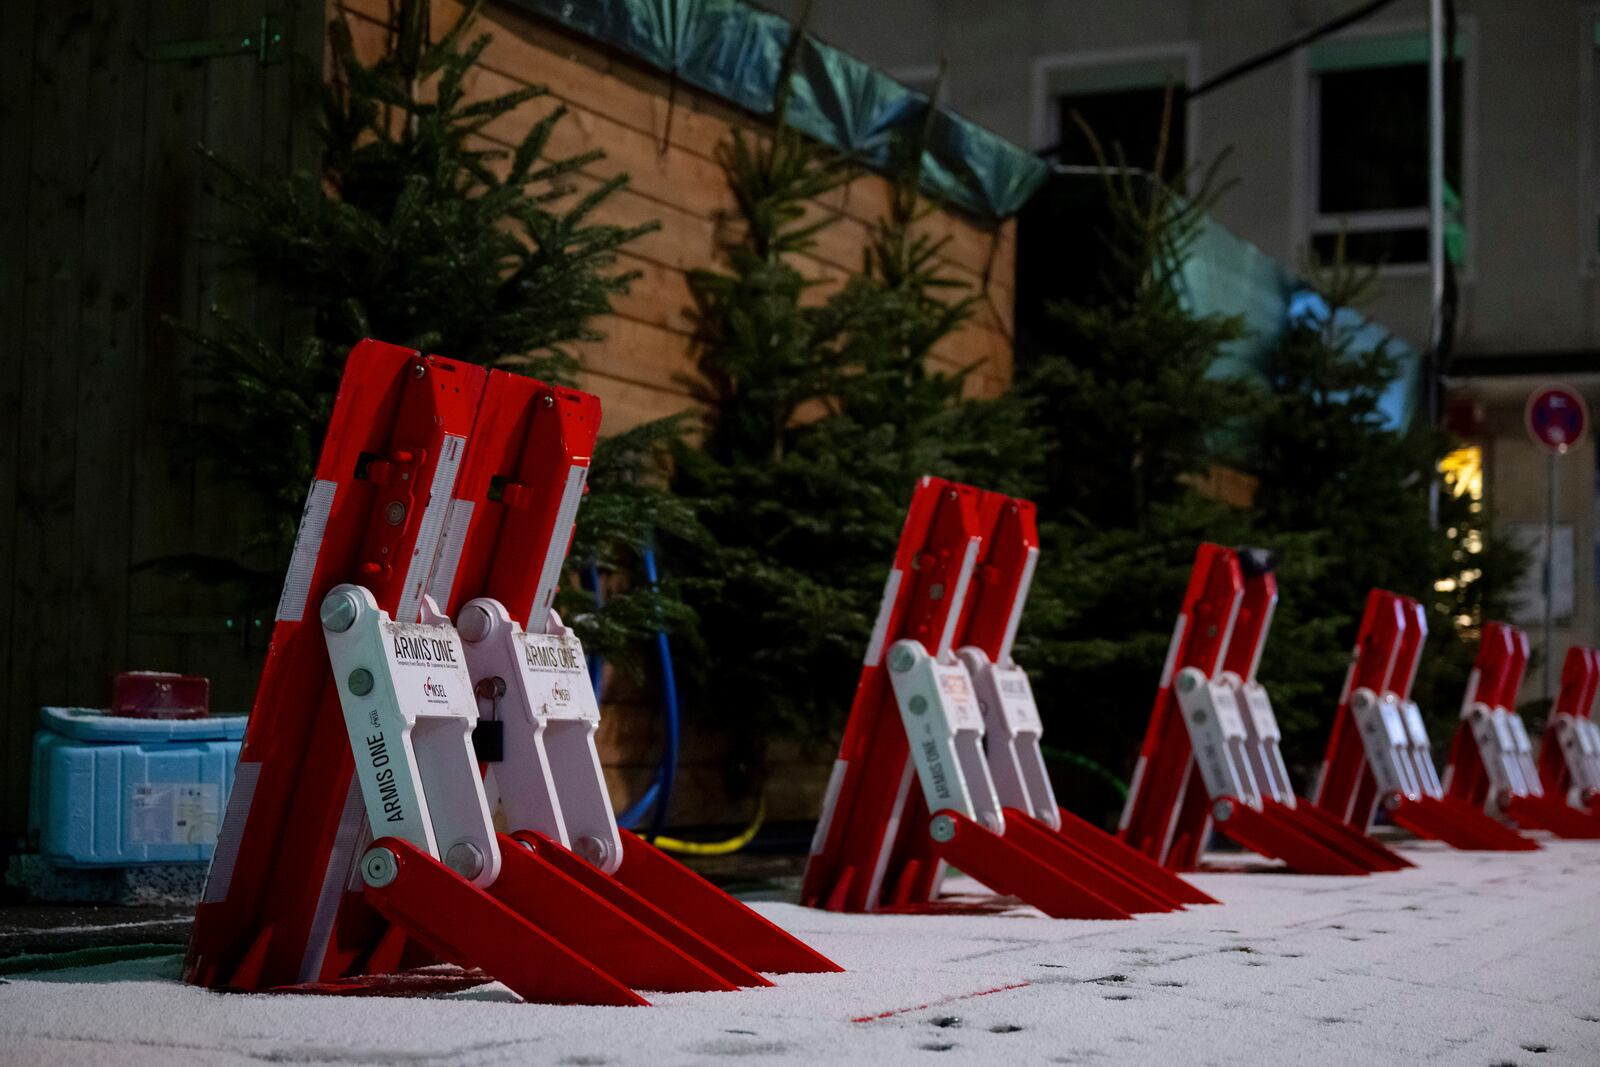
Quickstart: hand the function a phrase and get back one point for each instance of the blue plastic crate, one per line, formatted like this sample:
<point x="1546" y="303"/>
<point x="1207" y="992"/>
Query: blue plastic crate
<point x="117" y="792"/>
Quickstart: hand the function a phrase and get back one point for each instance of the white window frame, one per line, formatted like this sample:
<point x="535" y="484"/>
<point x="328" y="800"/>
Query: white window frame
<point x="1045" y="110"/>
<point x="1311" y="223"/>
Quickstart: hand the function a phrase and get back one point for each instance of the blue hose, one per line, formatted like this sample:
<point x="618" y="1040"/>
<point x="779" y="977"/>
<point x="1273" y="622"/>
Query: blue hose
<point x="659" y="793"/>
<point x="669" y="704"/>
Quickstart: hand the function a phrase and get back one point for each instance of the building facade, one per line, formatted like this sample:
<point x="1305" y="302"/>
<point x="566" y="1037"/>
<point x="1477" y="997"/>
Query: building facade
<point x="1330" y="141"/>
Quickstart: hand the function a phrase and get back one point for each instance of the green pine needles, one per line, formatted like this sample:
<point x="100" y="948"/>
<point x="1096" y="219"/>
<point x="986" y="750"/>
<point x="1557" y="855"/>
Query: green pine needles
<point x="417" y="230"/>
<point x="823" y="412"/>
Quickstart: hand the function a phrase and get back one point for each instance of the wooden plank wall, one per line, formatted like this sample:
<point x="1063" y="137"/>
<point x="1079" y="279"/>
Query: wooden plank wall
<point x="641" y="369"/>
<point x="102" y="200"/>
<point x="622" y="107"/>
<point x="102" y="196"/>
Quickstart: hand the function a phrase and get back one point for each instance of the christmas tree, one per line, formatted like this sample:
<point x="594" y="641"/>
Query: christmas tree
<point x="822" y="415"/>
<point x="1335" y="469"/>
<point x="418" y="231"/>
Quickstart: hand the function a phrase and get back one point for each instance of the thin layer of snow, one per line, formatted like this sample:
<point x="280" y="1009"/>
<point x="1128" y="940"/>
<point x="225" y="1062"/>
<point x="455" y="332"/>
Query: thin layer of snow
<point x="1471" y="959"/>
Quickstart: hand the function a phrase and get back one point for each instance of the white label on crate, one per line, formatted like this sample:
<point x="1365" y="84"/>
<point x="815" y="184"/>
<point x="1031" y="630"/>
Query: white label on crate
<point x="174" y="814"/>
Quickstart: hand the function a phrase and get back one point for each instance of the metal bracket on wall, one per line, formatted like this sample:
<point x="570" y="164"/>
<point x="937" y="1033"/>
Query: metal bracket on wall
<point x="265" y="42"/>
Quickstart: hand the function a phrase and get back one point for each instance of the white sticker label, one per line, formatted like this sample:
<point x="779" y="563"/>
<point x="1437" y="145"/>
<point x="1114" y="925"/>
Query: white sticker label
<point x="430" y="670"/>
<point x="960" y="702"/>
<point x="1016" y="700"/>
<point x="185" y="813"/>
<point x="556" y="676"/>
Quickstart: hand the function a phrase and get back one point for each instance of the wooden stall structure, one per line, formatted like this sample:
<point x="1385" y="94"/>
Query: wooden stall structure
<point x="104" y="199"/>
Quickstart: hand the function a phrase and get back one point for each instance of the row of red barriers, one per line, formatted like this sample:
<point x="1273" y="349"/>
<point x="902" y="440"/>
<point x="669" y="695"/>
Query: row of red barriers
<point x="940" y="762"/>
<point x="1491" y="757"/>
<point x="915" y="788"/>
<point x="438" y="685"/>
<point x="1379" y="755"/>
<point x="1210" y="756"/>
<point x="358" y="844"/>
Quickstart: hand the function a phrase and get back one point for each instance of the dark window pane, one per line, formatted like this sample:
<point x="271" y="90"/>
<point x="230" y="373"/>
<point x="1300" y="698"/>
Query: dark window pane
<point x="1130" y="118"/>
<point x="1390" y="246"/>
<point x="1373" y="141"/>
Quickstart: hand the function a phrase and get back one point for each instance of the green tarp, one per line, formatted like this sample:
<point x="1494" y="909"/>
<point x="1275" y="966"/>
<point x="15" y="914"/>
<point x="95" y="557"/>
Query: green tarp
<point x="735" y="51"/>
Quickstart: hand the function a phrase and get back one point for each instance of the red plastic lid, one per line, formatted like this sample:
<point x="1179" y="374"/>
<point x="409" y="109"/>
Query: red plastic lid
<point x="160" y="695"/>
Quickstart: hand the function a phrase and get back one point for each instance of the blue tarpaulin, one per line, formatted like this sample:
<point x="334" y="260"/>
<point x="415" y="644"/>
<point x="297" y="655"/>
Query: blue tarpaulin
<point x="1225" y="275"/>
<point x="735" y="51"/>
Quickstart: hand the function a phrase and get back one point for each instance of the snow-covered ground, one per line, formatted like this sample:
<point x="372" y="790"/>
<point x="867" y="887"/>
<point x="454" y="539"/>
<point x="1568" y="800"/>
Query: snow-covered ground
<point x="1468" y="959"/>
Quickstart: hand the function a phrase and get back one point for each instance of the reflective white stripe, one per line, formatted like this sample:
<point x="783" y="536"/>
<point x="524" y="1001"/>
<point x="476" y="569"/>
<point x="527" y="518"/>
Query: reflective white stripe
<point x="307" y="546"/>
<point x="1133" y="794"/>
<point x="1227" y="634"/>
<point x="457" y="520"/>
<point x="1172" y="819"/>
<point x="1261" y="641"/>
<point x="245" y="777"/>
<point x="891" y="831"/>
<point x="428" y="531"/>
<point x="829" y="799"/>
<point x="1171" y="665"/>
<point x="341" y="857"/>
<point x="1349" y="677"/>
<point x="1470" y="697"/>
<point x="1018" y="602"/>
<point x="880" y="628"/>
<point x="958" y="596"/>
<point x="556" y="550"/>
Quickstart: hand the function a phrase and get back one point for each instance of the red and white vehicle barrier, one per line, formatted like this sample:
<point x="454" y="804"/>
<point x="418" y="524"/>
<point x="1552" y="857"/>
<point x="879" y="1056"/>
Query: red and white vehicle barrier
<point x="1569" y="754"/>
<point x="940" y="762"/>
<point x="1210" y="757"/>
<point x="1379" y="755"/>
<point x="358" y="844"/>
<point x="1491" y="758"/>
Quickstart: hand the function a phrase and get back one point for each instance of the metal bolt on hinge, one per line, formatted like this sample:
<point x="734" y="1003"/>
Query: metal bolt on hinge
<point x="942" y="828"/>
<point x="379" y="867"/>
<point x="592" y="849"/>
<point x="339" y="611"/>
<point x="465" y="858"/>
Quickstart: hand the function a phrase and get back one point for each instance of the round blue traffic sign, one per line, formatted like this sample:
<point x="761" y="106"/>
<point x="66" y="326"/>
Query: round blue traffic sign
<point x="1556" y="418"/>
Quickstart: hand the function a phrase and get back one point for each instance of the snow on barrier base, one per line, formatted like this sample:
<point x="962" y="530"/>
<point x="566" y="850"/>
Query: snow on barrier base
<point x="444" y="489"/>
<point x="941" y="705"/>
<point x="1210" y="757"/>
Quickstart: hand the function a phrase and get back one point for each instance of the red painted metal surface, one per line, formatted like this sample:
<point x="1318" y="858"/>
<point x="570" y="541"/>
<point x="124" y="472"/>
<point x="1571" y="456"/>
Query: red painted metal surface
<point x="396" y="414"/>
<point x="1561" y="748"/>
<point x="1171" y="808"/>
<point x="458" y="923"/>
<point x="877" y="845"/>
<point x="1385" y="660"/>
<point x="437" y="477"/>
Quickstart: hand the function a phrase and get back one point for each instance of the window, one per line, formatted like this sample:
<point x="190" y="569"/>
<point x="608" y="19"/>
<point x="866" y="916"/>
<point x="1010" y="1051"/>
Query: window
<point x="1121" y="96"/>
<point x="1369" y="134"/>
<point x="1127" y="124"/>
